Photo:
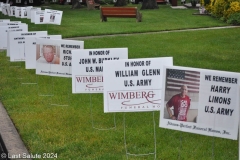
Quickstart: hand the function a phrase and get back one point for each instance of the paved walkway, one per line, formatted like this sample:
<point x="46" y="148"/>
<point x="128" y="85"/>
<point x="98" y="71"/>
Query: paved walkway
<point x="10" y="136"/>
<point x="180" y="30"/>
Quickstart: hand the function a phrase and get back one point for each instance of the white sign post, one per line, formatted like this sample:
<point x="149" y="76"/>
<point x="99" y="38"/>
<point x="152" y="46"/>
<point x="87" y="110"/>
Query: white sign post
<point x="53" y="16"/>
<point x="88" y="69"/>
<point x="23" y="12"/>
<point x="201" y="101"/>
<point x="54" y="56"/>
<point x="32" y="13"/>
<point x="39" y="17"/>
<point x="12" y="9"/>
<point x="12" y="23"/>
<point x="30" y="49"/>
<point x="18" y="12"/>
<point x="8" y="28"/>
<point x="134" y="85"/>
<point x="16" y="43"/>
<point x="4" y="20"/>
<point x="87" y="76"/>
<point x="1" y="4"/>
<point x="28" y="9"/>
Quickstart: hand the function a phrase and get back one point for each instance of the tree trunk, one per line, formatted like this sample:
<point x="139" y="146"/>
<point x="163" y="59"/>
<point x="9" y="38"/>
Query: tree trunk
<point x="76" y="4"/>
<point x="149" y="4"/>
<point x="120" y="3"/>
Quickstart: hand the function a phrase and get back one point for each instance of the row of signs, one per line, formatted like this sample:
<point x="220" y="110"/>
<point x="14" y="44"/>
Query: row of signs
<point x="35" y="14"/>
<point x="189" y="99"/>
<point x="22" y="2"/>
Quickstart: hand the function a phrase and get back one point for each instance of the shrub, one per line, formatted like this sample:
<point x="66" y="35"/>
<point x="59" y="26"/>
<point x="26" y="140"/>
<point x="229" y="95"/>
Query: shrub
<point x="222" y="8"/>
<point x="234" y="7"/>
<point x="218" y="8"/>
<point x="234" y="19"/>
<point x="209" y="6"/>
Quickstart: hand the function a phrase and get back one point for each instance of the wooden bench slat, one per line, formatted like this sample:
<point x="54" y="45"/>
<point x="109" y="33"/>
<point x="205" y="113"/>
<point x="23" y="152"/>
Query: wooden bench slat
<point x="120" y="11"/>
<point x="125" y="12"/>
<point x="124" y="16"/>
<point x="120" y="14"/>
<point x="117" y="12"/>
<point x="119" y="8"/>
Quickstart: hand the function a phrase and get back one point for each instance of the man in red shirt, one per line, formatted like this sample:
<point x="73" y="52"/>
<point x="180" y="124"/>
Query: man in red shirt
<point x="180" y="103"/>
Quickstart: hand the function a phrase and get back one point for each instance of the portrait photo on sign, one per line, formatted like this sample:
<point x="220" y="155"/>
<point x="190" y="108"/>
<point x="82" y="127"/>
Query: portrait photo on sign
<point x="49" y="54"/>
<point x="181" y="95"/>
<point x="41" y="19"/>
<point x="52" y="17"/>
<point x="201" y="101"/>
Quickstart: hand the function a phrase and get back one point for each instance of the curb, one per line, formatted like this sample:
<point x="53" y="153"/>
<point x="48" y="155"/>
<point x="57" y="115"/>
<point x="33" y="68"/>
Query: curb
<point x="3" y="150"/>
<point x="11" y="138"/>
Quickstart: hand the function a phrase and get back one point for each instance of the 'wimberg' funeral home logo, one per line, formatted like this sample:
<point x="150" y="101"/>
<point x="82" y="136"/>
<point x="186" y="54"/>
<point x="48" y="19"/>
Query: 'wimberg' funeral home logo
<point x="92" y="83"/>
<point x="140" y="99"/>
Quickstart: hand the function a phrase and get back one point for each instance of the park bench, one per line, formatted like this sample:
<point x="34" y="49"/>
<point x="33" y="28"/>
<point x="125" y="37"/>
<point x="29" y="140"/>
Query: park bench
<point x="121" y="12"/>
<point x="141" y="1"/>
<point x="92" y="5"/>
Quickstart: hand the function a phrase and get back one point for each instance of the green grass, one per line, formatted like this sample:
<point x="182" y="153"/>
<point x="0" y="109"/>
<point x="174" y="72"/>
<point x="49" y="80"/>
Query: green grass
<point x="83" y="22"/>
<point x="68" y="130"/>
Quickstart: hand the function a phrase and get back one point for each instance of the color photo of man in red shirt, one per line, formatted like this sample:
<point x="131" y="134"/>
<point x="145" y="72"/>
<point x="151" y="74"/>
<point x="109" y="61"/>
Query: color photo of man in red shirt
<point x="180" y="103"/>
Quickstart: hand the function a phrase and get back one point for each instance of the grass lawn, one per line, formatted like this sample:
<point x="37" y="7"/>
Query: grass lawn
<point x="70" y="130"/>
<point x="83" y="22"/>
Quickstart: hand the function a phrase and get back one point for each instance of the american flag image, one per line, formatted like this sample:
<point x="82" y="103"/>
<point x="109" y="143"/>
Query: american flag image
<point x="177" y="78"/>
